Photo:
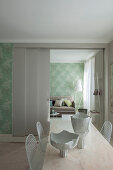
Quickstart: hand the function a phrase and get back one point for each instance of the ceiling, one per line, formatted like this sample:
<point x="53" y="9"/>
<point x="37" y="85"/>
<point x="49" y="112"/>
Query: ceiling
<point x="56" y="21"/>
<point x="71" y="56"/>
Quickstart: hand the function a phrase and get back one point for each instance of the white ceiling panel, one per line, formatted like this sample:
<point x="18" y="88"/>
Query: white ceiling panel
<point x="56" y="20"/>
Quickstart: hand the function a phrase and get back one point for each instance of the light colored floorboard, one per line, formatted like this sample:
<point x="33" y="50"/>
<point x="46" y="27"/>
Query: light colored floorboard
<point x="13" y="156"/>
<point x="10" y="138"/>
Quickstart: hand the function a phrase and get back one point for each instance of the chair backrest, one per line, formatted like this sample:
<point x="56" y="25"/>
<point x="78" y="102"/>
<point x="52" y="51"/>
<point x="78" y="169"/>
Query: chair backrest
<point x="106" y="130"/>
<point x="40" y="130"/>
<point x="31" y="147"/>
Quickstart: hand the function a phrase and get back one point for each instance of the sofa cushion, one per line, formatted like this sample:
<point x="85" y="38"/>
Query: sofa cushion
<point x="63" y="108"/>
<point x="63" y="101"/>
<point x="58" y="103"/>
<point x="68" y="103"/>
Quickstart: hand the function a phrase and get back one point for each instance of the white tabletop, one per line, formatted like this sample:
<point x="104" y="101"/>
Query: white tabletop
<point x="97" y="155"/>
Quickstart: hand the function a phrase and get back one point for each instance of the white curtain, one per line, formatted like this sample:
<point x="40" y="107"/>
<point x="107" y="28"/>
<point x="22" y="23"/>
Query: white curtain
<point x="89" y="84"/>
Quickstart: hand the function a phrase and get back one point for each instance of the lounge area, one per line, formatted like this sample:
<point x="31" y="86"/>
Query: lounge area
<point x="62" y="107"/>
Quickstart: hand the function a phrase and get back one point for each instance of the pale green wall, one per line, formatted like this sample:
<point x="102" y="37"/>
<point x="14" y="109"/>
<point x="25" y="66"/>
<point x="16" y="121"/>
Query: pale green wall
<point x="63" y="77"/>
<point x="6" y="88"/>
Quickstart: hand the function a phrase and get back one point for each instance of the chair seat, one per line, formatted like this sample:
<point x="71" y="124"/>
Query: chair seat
<point x="64" y="140"/>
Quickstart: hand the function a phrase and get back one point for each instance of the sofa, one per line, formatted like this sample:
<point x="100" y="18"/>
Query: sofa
<point x="63" y="109"/>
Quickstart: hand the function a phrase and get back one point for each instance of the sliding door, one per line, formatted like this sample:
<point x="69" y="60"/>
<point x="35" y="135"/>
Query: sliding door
<point x="31" y="90"/>
<point x="37" y="88"/>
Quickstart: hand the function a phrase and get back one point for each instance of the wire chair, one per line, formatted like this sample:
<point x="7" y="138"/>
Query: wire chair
<point x="40" y="131"/>
<point x="31" y="147"/>
<point x="106" y="130"/>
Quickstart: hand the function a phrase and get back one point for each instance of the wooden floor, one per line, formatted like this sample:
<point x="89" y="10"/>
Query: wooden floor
<point x="13" y="156"/>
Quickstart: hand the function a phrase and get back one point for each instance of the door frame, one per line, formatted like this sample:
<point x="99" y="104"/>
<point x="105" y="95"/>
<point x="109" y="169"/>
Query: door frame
<point x="98" y="46"/>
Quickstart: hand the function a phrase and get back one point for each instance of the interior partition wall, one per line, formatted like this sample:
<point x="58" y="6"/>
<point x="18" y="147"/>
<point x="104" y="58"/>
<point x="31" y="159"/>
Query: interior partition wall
<point x="99" y="84"/>
<point x="19" y="118"/>
<point x="30" y="90"/>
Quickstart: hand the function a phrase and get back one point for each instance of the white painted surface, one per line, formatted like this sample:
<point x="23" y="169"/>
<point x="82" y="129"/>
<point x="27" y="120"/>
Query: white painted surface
<point x="37" y="88"/>
<point x="30" y="90"/>
<point x="19" y="92"/>
<point x="99" y="83"/>
<point x="62" y="45"/>
<point x="110" y="116"/>
<point x="71" y="56"/>
<point x="56" y="21"/>
<point x="106" y="82"/>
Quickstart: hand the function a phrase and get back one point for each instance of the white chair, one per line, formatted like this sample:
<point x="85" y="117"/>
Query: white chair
<point x="40" y="131"/>
<point x="106" y="130"/>
<point x="31" y="147"/>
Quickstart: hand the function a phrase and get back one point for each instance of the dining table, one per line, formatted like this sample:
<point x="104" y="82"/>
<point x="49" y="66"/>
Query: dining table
<point x="97" y="155"/>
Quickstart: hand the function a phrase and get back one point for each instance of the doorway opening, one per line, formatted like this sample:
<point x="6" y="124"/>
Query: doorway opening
<point x="76" y="84"/>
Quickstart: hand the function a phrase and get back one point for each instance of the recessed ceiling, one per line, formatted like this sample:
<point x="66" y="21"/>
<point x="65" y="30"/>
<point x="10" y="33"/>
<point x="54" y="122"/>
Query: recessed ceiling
<point x="56" y="21"/>
<point x="71" y="56"/>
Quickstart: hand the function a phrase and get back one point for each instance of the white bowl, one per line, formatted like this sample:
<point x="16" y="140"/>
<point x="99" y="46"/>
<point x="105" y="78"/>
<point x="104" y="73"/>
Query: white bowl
<point x="64" y="141"/>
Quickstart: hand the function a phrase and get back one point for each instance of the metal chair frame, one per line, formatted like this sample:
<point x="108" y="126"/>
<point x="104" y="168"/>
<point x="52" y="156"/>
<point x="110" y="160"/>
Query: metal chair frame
<point x="31" y="147"/>
<point x="40" y="131"/>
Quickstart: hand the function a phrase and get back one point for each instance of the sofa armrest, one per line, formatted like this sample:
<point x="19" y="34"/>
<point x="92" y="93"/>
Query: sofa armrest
<point x="73" y="104"/>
